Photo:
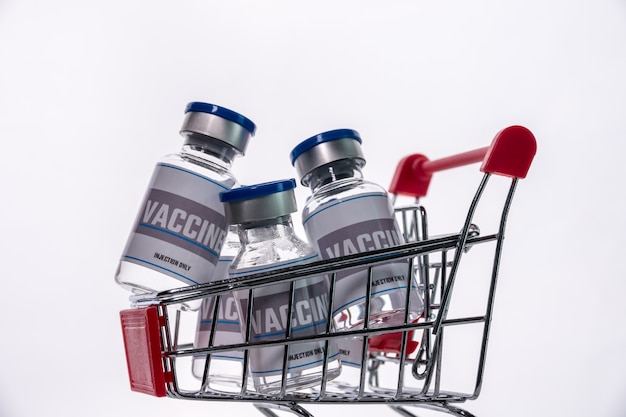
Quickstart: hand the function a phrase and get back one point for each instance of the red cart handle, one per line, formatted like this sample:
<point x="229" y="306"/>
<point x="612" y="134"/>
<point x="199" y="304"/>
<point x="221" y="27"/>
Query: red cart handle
<point x="510" y="154"/>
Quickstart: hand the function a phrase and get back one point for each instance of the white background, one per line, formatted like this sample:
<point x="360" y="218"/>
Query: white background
<point x="92" y="94"/>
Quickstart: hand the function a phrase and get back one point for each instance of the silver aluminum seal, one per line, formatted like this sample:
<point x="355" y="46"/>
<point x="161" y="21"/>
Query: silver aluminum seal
<point x="325" y="153"/>
<point x="214" y="126"/>
<point x="261" y="208"/>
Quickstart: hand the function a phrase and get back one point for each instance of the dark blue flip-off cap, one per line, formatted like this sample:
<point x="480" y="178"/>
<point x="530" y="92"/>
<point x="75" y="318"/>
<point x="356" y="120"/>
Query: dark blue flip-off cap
<point x="260" y="202"/>
<point x="258" y="190"/>
<point x="325" y="148"/>
<point x="318" y="139"/>
<point x="200" y="107"/>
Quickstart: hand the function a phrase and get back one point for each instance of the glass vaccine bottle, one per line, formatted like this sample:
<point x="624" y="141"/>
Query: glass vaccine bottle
<point x="225" y="369"/>
<point x="262" y="213"/>
<point x="180" y="227"/>
<point x="347" y="214"/>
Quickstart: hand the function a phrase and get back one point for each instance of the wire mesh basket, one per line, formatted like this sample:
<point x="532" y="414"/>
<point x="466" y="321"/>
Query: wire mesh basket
<point x="435" y="362"/>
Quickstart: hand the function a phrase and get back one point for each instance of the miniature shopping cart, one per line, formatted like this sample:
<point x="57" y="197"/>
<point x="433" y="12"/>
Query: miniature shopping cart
<point x="436" y="362"/>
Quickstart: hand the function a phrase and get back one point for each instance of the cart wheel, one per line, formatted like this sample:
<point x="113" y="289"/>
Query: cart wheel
<point x="441" y="406"/>
<point x="291" y="407"/>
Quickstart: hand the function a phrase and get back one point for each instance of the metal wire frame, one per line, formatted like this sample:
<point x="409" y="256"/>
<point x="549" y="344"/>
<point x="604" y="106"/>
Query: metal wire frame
<point x="426" y="366"/>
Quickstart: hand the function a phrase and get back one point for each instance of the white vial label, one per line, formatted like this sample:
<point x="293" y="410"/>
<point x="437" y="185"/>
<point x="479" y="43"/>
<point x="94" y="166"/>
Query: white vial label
<point x="309" y="316"/>
<point x="355" y="225"/>
<point x="351" y="351"/>
<point x="227" y="328"/>
<point x="181" y="226"/>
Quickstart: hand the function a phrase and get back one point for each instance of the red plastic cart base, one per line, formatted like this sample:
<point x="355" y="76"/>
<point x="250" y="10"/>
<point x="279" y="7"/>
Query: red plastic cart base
<point x="142" y="342"/>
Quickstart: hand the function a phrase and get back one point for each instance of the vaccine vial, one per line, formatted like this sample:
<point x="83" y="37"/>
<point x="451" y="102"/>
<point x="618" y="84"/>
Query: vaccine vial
<point x="262" y="213"/>
<point x="224" y="371"/>
<point x="180" y="227"/>
<point x="345" y="214"/>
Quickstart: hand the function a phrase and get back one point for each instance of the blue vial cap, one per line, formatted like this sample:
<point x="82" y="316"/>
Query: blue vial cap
<point x="322" y="138"/>
<point x="258" y="190"/>
<point x="197" y="106"/>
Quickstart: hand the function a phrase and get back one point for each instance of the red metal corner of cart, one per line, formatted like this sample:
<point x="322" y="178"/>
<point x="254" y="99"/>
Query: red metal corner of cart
<point x="142" y="343"/>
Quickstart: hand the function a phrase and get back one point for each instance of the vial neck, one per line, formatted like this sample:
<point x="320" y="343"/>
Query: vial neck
<point x="210" y="149"/>
<point x="334" y="172"/>
<point x="266" y="230"/>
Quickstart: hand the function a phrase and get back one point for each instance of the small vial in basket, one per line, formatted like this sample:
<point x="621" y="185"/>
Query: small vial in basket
<point x="180" y="228"/>
<point x="225" y="370"/>
<point x="268" y="242"/>
<point x="346" y="214"/>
